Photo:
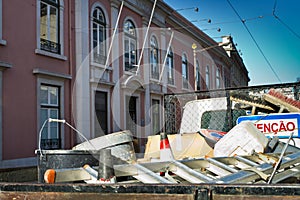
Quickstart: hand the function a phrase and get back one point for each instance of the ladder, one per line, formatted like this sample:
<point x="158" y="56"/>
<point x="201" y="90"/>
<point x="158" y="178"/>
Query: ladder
<point x="218" y="170"/>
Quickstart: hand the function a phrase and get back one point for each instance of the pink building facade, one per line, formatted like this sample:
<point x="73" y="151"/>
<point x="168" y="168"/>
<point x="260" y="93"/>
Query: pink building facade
<point x="60" y="59"/>
<point x="36" y="81"/>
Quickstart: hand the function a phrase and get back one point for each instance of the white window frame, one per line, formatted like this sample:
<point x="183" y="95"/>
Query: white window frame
<point x="49" y="107"/>
<point x="154" y="62"/>
<point x="207" y="76"/>
<point x="198" y="76"/>
<point x="105" y="31"/>
<point x="138" y="111"/>
<point x="60" y="85"/>
<point x="218" y="78"/>
<point x="170" y="64"/>
<point x="159" y="113"/>
<point x="132" y="38"/>
<point x="2" y="42"/>
<point x="185" y="77"/>
<point x="38" y="49"/>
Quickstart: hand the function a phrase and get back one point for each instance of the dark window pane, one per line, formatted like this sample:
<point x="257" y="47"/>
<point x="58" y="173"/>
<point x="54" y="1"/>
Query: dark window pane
<point x="101" y="126"/>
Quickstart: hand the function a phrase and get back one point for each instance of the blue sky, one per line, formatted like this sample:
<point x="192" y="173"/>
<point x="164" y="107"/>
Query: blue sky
<point x="278" y="39"/>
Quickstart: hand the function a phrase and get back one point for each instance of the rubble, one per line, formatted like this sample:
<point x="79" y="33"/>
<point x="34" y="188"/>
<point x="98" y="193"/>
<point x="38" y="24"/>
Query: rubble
<point x="199" y="152"/>
<point x="243" y="139"/>
<point x="183" y="146"/>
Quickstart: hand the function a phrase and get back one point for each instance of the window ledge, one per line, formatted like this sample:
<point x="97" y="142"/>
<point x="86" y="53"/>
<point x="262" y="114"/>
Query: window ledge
<point x="94" y="64"/>
<point x="172" y="85"/>
<point x="156" y="81"/>
<point x="129" y="73"/>
<point x="21" y="162"/>
<point x="3" y="42"/>
<point x="38" y="71"/>
<point x="53" y="55"/>
<point x="185" y="89"/>
<point x="4" y="66"/>
<point x="102" y="81"/>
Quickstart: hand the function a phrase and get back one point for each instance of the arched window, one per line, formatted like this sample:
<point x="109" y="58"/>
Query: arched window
<point x="184" y="71"/>
<point x="154" y="58"/>
<point x="130" y="44"/>
<point x="98" y="36"/>
<point x="207" y="77"/>
<point x="170" y="65"/>
<point x="198" y="76"/>
<point x="218" y="78"/>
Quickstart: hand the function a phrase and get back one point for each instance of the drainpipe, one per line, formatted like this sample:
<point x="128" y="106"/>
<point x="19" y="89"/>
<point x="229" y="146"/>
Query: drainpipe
<point x="70" y="67"/>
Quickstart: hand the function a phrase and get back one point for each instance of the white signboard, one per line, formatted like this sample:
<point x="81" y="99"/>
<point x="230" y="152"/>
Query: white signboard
<point x="280" y="125"/>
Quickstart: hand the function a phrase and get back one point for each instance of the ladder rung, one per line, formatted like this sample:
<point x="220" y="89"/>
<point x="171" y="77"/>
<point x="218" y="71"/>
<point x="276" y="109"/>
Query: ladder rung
<point x="247" y="161"/>
<point x="147" y="176"/>
<point x="217" y="170"/>
<point x="222" y="165"/>
<point x="189" y="174"/>
<point x="281" y="176"/>
<point x="248" y="176"/>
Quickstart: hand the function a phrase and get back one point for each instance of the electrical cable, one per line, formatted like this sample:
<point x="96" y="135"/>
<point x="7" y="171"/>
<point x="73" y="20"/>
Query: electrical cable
<point x="252" y="37"/>
<point x="235" y="21"/>
<point x="64" y="122"/>
<point x="282" y="22"/>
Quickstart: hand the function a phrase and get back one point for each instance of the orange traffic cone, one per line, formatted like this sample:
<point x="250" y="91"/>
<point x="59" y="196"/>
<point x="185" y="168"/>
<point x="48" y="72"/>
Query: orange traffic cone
<point x="165" y="148"/>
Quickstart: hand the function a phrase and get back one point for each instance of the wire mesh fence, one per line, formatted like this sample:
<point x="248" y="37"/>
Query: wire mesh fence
<point x="220" y="109"/>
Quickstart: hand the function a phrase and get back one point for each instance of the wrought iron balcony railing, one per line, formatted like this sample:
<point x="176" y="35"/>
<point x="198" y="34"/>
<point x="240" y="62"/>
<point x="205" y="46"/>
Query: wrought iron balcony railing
<point x="50" y="46"/>
<point x="48" y="144"/>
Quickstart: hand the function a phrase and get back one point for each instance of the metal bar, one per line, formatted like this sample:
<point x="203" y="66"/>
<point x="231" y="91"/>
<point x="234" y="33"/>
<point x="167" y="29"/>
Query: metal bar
<point x="217" y="170"/>
<point x="91" y="171"/>
<point x="280" y="158"/>
<point x="105" y="170"/>
<point x="145" y="39"/>
<point x="147" y="176"/>
<point x="186" y="169"/>
<point x="247" y="161"/>
<point x="113" y="35"/>
<point x="70" y="175"/>
<point x="189" y="174"/>
<point x="166" y="57"/>
<point x="220" y="164"/>
<point x="281" y="176"/>
<point x="248" y="176"/>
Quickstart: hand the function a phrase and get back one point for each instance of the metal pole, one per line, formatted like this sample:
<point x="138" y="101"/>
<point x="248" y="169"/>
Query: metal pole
<point x="280" y="158"/>
<point x="105" y="170"/>
<point x="112" y="37"/>
<point x="145" y="39"/>
<point x="166" y="57"/>
<point x="195" y="69"/>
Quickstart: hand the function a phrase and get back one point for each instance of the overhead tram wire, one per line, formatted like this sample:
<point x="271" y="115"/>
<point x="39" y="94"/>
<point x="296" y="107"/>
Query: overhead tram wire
<point x="282" y="22"/>
<point x="236" y="21"/>
<point x="252" y="37"/>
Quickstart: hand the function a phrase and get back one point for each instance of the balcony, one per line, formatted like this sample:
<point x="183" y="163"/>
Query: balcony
<point x="170" y="80"/>
<point x="48" y="144"/>
<point x="50" y="46"/>
<point x="99" y="59"/>
<point x="185" y="83"/>
<point x="154" y="74"/>
<point x="130" y="67"/>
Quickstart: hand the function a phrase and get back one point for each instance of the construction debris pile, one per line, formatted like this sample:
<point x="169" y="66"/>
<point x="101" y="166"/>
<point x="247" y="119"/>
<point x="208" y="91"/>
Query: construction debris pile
<point x="256" y="150"/>
<point x="271" y="102"/>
